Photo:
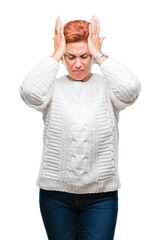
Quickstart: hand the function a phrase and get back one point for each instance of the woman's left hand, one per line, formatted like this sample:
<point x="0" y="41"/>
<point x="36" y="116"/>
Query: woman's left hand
<point x="94" y="41"/>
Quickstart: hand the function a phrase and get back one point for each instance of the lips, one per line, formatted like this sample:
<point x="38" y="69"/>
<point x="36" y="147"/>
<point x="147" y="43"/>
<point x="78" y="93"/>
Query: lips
<point x="78" y="71"/>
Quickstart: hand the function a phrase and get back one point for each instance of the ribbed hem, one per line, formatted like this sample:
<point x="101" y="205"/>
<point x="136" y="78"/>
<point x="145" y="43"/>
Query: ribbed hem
<point x="102" y="186"/>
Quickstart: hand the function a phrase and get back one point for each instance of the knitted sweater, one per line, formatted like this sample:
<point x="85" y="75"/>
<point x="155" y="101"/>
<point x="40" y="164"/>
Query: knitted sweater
<point x="80" y="136"/>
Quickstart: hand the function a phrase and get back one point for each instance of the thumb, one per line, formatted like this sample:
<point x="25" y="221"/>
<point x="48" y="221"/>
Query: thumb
<point x="101" y="40"/>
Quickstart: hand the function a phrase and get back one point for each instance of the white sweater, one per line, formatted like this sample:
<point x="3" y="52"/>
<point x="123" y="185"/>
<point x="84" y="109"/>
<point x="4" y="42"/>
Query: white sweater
<point x="80" y="137"/>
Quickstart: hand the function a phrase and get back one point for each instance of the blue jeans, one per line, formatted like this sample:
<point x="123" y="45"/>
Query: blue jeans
<point x="68" y="216"/>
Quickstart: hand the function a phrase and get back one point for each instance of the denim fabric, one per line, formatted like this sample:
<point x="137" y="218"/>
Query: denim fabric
<point x="68" y="216"/>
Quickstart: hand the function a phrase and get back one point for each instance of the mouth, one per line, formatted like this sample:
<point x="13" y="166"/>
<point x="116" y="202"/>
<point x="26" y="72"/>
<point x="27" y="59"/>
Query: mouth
<point x="78" y="71"/>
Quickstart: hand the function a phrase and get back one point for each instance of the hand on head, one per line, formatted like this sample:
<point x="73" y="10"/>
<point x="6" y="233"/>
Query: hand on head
<point x="59" y="40"/>
<point x="94" y="41"/>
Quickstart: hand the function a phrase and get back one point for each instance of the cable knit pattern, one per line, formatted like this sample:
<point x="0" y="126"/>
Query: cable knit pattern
<point x="80" y="137"/>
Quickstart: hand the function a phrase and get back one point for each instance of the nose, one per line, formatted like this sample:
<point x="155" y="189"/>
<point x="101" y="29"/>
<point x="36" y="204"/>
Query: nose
<point x="78" y="63"/>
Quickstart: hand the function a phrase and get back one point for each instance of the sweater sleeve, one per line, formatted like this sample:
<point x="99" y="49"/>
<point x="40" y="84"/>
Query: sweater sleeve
<point x="36" y="88"/>
<point x="124" y="86"/>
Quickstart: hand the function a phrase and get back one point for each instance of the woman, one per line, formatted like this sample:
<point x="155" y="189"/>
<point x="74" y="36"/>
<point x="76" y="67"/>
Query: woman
<point x="78" y="177"/>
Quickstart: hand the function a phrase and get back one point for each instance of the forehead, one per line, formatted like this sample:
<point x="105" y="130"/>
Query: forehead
<point x="77" y="48"/>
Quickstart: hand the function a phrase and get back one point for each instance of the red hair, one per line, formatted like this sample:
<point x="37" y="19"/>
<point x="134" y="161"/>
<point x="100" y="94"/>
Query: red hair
<point x="77" y="30"/>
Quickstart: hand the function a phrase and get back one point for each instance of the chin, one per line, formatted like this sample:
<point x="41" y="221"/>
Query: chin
<point x="79" y="76"/>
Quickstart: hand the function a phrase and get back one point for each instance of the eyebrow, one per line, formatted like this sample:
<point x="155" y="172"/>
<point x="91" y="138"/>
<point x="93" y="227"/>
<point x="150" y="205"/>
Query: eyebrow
<point x="75" y="56"/>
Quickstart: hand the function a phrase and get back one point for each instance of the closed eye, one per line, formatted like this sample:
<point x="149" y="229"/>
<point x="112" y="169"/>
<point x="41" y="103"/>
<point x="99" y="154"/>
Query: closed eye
<point x="70" y="58"/>
<point x="83" y="57"/>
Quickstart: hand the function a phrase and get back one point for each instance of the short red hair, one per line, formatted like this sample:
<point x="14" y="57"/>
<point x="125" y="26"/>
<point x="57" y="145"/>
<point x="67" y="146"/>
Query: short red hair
<point x="77" y="30"/>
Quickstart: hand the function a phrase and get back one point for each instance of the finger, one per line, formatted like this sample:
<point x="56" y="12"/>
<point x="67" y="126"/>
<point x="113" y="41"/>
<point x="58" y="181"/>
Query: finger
<point x="90" y="25"/>
<point x="59" y="25"/>
<point x="56" y="25"/>
<point x="93" y="24"/>
<point x="92" y="17"/>
<point x="61" y="29"/>
<point x="101" y="40"/>
<point x="98" y="26"/>
<point x="90" y="30"/>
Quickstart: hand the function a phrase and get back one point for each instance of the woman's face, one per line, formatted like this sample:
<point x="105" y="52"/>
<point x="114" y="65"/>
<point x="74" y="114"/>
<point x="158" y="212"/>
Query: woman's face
<point x="78" y="61"/>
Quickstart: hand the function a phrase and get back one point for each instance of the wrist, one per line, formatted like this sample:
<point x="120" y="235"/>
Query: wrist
<point x="101" y="59"/>
<point x="95" y="54"/>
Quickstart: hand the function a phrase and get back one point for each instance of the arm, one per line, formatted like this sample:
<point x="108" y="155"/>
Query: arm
<point x="36" y="89"/>
<point x="124" y="86"/>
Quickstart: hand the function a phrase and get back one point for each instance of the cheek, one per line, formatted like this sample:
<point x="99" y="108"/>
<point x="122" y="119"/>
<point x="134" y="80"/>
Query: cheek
<point x="88" y="64"/>
<point x="68" y="65"/>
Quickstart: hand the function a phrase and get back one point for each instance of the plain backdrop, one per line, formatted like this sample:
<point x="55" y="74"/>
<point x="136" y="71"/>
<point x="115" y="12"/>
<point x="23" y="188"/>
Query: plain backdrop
<point x="132" y="36"/>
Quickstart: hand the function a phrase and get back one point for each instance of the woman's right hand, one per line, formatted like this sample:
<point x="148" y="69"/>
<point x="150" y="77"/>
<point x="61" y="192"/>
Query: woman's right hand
<point x="59" y="40"/>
